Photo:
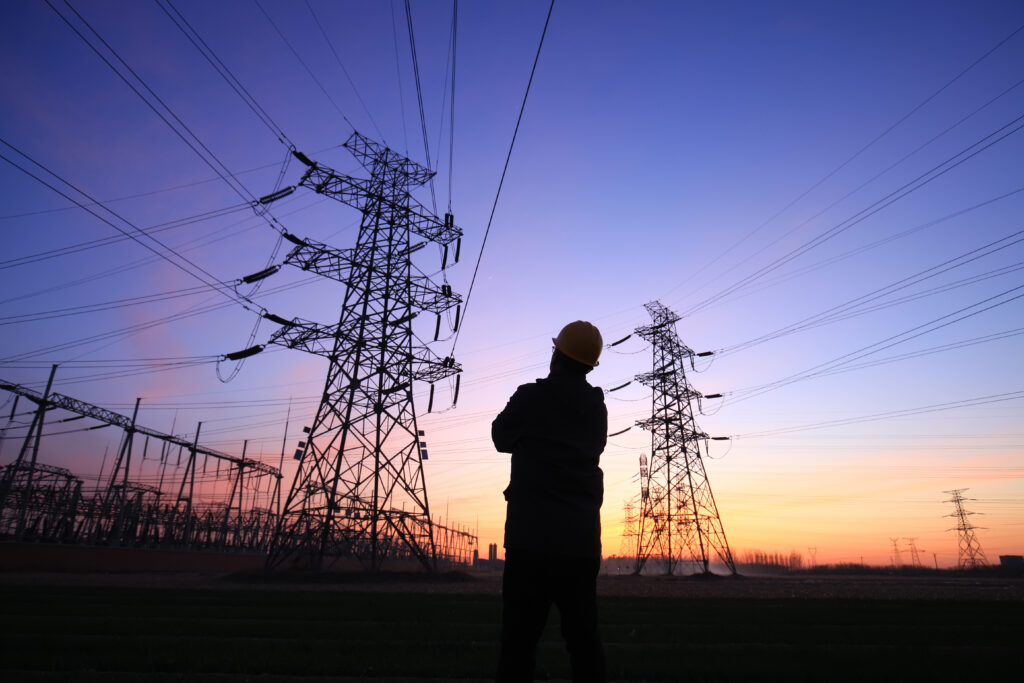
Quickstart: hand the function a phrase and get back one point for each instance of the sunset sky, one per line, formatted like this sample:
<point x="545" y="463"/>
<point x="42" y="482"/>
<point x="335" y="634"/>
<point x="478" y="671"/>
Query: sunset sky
<point x="830" y="194"/>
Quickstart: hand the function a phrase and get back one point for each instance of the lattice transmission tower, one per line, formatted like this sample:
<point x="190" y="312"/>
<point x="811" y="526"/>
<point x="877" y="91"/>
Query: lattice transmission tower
<point x="970" y="555"/>
<point x="360" y="489"/>
<point x="678" y="519"/>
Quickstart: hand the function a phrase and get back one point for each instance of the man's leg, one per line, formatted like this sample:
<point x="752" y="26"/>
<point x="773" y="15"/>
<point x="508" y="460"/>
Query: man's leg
<point x="576" y="596"/>
<point x="526" y="599"/>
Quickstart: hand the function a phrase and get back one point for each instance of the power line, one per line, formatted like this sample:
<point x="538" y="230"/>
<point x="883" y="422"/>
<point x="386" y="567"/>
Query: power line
<point x="841" y="311"/>
<point x="107" y="241"/>
<point x="501" y="182"/>
<point x="337" y="58"/>
<point x="904" y="190"/>
<point x="451" y="110"/>
<point x="150" y="193"/>
<point x="115" y="304"/>
<point x="889" y="414"/>
<point x="863" y="149"/>
<point x="218" y="65"/>
<point x="419" y="98"/>
<point x="398" y="74"/>
<point x="304" y="65"/>
<point x="180" y="262"/>
<point x="206" y="155"/>
<point x="204" y="240"/>
<point x="878" y="243"/>
<point x="888" y="342"/>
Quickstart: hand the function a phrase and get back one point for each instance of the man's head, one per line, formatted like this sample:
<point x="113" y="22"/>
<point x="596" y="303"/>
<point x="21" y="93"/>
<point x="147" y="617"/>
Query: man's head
<point x="577" y="347"/>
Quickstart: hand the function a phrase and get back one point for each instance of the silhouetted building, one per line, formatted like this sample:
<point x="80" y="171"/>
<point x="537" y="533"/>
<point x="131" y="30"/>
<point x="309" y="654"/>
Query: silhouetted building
<point x="1012" y="561"/>
<point x="492" y="561"/>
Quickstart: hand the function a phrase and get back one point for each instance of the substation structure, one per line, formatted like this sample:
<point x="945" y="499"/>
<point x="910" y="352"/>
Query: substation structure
<point x="360" y="490"/>
<point x="674" y="520"/>
<point x="161" y="490"/>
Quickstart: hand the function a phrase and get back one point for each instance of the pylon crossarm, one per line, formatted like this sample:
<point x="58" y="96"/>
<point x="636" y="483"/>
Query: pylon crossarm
<point x="365" y="196"/>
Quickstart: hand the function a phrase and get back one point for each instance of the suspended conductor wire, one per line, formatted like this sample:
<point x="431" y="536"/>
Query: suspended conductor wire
<point x="202" y="241"/>
<point x="216" y="284"/>
<point x="850" y="308"/>
<point x="707" y="451"/>
<point x="824" y="263"/>
<point x="398" y="71"/>
<point x="221" y="68"/>
<point x="870" y="180"/>
<point x="304" y="65"/>
<point x="888" y="342"/>
<point x="337" y="58"/>
<point x="419" y="98"/>
<point x="210" y="159"/>
<point x="163" y="190"/>
<point x="236" y="185"/>
<point x="113" y="239"/>
<point x="858" y="153"/>
<point x="889" y="414"/>
<point x="451" y="109"/>
<point x="501" y="182"/>
<point x="907" y="188"/>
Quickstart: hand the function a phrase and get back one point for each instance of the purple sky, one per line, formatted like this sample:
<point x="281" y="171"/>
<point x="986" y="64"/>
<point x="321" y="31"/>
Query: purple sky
<point x="671" y="151"/>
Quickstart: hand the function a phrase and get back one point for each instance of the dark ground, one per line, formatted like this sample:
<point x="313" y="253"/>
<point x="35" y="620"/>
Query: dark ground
<point x="217" y="628"/>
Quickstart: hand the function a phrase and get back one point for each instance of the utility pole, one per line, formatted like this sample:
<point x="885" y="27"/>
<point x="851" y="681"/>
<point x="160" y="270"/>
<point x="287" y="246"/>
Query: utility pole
<point x="969" y="555"/>
<point x="360" y="490"/>
<point x="678" y="516"/>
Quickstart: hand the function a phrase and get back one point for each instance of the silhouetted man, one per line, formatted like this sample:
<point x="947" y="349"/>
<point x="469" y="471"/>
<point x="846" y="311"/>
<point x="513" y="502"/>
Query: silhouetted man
<point x="555" y="429"/>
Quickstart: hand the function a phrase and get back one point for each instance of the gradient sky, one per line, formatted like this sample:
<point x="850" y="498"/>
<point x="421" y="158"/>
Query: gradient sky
<point x="669" y="150"/>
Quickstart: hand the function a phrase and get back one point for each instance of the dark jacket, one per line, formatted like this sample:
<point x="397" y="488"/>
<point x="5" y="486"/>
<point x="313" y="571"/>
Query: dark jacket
<point x="555" y="429"/>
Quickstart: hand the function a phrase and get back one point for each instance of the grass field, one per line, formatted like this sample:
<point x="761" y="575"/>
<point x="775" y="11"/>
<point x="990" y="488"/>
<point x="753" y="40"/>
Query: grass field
<point x="272" y="633"/>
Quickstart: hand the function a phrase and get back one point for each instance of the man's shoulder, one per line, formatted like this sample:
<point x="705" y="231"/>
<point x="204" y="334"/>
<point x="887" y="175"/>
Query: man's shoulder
<point x="561" y="385"/>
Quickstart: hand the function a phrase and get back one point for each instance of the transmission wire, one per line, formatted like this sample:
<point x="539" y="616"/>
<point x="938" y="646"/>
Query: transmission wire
<point x="501" y="182"/>
<point x="419" y="98"/>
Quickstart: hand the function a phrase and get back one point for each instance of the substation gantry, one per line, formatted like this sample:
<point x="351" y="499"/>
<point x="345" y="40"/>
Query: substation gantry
<point x="39" y="502"/>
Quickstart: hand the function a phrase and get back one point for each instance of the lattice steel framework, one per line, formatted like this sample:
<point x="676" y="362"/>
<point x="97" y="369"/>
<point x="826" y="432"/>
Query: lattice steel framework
<point x="969" y="555"/>
<point x="678" y="519"/>
<point x="360" y="489"/>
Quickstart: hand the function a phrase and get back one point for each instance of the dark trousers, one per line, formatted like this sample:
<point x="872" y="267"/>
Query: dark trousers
<point x="531" y="583"/>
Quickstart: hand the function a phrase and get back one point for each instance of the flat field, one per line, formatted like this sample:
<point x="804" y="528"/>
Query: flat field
<point x="208" y="628"/>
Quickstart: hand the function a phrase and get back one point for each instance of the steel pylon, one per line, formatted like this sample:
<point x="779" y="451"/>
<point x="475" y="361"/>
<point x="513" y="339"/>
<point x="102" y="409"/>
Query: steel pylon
<point x="360" y="489"/>
<point x="969" y="552"/>
<point x="678" y="519"/>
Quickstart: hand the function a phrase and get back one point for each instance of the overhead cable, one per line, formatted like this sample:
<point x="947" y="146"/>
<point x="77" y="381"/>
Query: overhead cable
<point x="863" y="149"/>
<point x="504" y="170"/>
<point x="904" y="190"/>
<point x="218" y="65"/>
<point x="419" y="98"/>
<point x="136" y="233"/>
<point x="304" y="65"/>
<point x="341" y="65"/>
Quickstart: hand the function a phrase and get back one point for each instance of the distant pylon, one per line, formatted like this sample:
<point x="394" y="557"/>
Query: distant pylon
<point x="915" y="554"/>
<point x="678" y="519"/>
<point x="970" y="554"/>
<point x="627" y="543"/>
<point x="360" y="490"/>
<point x="897" y="559"/>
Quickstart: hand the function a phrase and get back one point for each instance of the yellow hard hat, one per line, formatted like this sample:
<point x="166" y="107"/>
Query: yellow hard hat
<point x="580" y="341"/>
